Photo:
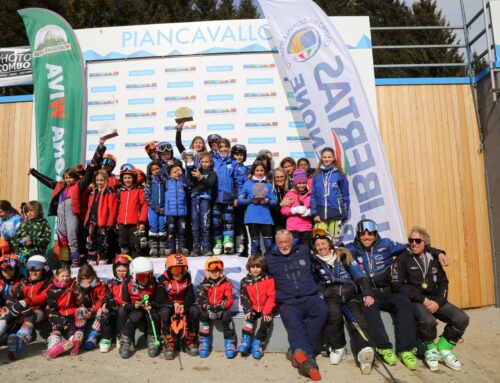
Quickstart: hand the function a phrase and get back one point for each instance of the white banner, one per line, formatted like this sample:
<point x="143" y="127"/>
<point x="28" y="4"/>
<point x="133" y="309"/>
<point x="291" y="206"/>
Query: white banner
<point x="234" y="270"/>
<point x="335" y="108"/>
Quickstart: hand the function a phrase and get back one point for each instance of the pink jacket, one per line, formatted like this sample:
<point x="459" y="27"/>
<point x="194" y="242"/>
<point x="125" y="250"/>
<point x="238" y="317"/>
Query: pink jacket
<point x="297" y="222"/>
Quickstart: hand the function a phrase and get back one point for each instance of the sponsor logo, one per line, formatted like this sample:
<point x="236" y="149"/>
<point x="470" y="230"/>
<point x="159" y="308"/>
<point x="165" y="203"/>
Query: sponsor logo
<point x="92" y="131"/>
<point x="102" y="117"/>
<point x="261" y="110"/>
<point x="303" y="44"/>
<point x="102" y="102"/>
<point x="104" y="74"/>
<point x="181" y="69"/>
<point x="220" y="97"/>
<point x="141" y="115"/>
<point x="292" y="107"/>
<point x="259" y="81"/>
<point x="211" y="127"/>
<point x="186" y="127"/>
<point x="180" y="98"/>
<point x="180" y="84"/>
<point x="302" y="154"/>
<point x="220" y="82"/>
<point x="340" y="153"/>
<point x="259" y="66"/>
<point x="219" y="68"/>
<point x="296" y="124"/>
<point x="93" y="147"/>
<point x="253" y="155"/>
<point x="50" y="39"/>
<point x="298" y="138"/>
<point x="141" y="72"/>
<point x="135" y="145"/>
<point x="141" y="130"/>
<point x="141" y="101"/>
<point x="103" y="89"/>
<point x="142" y="85"/>
<point x="260" y="124"/>
<point x="260" y="94"/>
<point x="220" y="111"/>
<point x="262" y="140"/>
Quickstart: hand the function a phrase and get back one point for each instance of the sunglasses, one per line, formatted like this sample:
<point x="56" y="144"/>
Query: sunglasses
<point x="418" y="241"/>
<point x="108" y="162"/>
<point x="127" y="168"/>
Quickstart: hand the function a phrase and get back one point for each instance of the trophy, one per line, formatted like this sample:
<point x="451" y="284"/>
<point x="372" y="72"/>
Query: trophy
<point x="107" y="131"/>
<point x="259" y="191"/>
<point x="183" y="114"/>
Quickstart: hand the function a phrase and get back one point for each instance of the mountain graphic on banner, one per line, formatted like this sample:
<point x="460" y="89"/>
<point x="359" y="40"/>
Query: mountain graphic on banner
<point x="363" y="43"/>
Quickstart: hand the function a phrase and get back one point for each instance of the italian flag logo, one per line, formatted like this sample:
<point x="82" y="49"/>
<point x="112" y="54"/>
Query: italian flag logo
<point x="340" y="154"/>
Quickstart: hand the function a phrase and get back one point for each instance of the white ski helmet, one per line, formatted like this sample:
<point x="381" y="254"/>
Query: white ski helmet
<point x="37" y="262"/>
<point x="140" y="265"/>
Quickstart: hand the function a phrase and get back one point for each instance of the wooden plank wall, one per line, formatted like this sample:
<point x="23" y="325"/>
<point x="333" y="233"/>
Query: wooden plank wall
<point x="431" y="139"/>
<point x="15" y="143"/>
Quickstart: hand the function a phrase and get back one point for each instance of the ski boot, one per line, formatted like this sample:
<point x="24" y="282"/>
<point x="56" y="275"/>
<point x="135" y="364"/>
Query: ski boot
<point x="77" y="340"/>
<point x="153" y="346"/>
<point x="257" y="352"/>
<point x="57" y="345"/>
<point x="104" y="345"/>
<point x="16" y="342"/>
<point x="387" y="355"/>
<point x="204" y="348"/>
<point x="446" y="355"/>
<point x="169" y="348"/>
<point x="191" y="344"/>
<point x="245" y="344"/>
<point x="91" y="342"/>
<point x="126" y="347"/>
<point x="229" y="348"/>
<point x="218" y="247"/>
<point x="365" y="359"/>
<point x="228" y="244"/>
<point x="153" y="246"/>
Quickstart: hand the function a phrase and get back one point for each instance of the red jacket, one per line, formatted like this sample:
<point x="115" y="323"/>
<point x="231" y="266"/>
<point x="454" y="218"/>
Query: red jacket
<point x="215" y="293"/>
<point x="115" y="292"/>
<point x="106" y="207"/>
<point x="113" y="181"/>
<point x="258" y="294"/>
<point x="61" y="300"/>
<point x="132" y="292"/>
<point x="74" y="192"/>
<point x="132" y="206"/>
<point x="171" y="291"/>
<point x="92" y="297"/>
<point x="33" y="293"/>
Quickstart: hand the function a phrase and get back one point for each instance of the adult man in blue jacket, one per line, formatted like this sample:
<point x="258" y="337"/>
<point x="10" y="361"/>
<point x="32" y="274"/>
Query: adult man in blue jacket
<point x="302" y="311"/>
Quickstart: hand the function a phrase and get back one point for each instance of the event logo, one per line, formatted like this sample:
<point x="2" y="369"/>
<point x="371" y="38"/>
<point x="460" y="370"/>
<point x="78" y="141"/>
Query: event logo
<point x="49" y="40"/>
<point x="304" y="44"/>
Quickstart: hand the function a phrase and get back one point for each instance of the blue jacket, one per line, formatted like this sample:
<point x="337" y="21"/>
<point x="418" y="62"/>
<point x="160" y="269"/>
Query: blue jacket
<point x="376" y="262"/>
<point x="293" y="274"/>
<point x="9" y="226"/>
<point x="225" y="179"/>
<point x="257" y="213"/>
<point x="240" y="174"/>
<point x="330" y="194"/>
<point x="154" y="193"/>
<point x="176" y="197"/>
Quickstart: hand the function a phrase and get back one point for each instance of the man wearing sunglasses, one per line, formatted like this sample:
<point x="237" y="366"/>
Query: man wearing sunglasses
<point x="419" y="276"/>
<point x="375" y="257"/>
<point x="302" y="311"/>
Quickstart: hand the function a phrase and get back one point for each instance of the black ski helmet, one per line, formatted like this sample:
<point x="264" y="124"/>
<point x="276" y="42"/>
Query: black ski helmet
<point x="239" y="148"/>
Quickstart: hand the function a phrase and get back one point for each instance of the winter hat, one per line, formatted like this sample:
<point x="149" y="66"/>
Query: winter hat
<point x="299" y="176"/>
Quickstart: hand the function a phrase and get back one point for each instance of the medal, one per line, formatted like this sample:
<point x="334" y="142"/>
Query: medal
<point x="424" y="285"/>
<point x="371" y="275"/>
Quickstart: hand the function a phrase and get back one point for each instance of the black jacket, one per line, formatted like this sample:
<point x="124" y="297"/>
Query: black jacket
<point x="407" y="279"/>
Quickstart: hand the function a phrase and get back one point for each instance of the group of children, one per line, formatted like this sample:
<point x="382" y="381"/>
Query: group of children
<point x="86" y="311"/>
<point x="229" y="206"/>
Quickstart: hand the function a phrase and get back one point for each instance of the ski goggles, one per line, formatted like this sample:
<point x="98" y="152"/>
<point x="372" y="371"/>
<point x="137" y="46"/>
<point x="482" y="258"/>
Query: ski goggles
<point x="178" y="270"/>
<point x="9" y="262"/>
<point x="369" y="226"/>
<point x="108" y="162"/>
<point x="34" y="265"/>
<point x="122" y="259"/>
<point x="215" y="266"/>
<point x="127" y="168"/>
<point x="164" y="148"/>
<point x="142" y="278"/>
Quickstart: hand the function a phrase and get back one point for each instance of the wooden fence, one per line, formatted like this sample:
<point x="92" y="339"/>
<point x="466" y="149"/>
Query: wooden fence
<point x="431" y="138"/>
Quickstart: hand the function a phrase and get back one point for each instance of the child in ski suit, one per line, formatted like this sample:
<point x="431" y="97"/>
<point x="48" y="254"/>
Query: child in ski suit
<point x="100" y="219"/>
<point x="176" y="210"/>
<point x="175" y="300"/>
<point x="33" y="235"/>
<point x="258" y="299"/>
<point x="154" y="193"/>
<point x="215" y="298"/>
<point x="239" y="156"/>
<point x="10" y="277"/>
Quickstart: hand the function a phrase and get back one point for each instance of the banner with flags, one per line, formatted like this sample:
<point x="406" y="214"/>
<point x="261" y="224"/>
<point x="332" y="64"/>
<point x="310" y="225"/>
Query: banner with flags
<point x="335" y="109"/>
<point x="59" y="93"/>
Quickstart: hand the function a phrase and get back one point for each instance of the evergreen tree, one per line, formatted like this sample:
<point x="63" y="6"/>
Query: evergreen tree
<point x="247" y="10"/>
<point x="226" y="10"/>
<point x="205" y="9"/>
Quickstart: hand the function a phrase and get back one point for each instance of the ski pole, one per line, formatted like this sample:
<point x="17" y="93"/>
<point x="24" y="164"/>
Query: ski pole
<point x="145" y="301"/>
<point x="349" y="316"/>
